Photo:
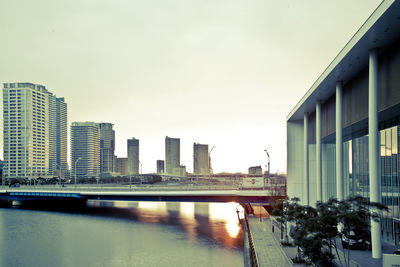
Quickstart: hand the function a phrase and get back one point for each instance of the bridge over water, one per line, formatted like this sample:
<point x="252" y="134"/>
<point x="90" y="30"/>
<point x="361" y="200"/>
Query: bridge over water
<point x="49" y="194"/>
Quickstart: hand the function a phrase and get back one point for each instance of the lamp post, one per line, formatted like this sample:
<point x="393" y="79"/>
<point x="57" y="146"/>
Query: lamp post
<point x="267" y="165"/>
<point x="3" y="180"/>
<point x="76" y="161"/>
<point x="59" y="171"/>
<point x="209" y="166"/>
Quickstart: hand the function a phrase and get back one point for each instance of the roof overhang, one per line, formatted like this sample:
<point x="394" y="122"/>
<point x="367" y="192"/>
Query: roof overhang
<point x="381" y="29"/>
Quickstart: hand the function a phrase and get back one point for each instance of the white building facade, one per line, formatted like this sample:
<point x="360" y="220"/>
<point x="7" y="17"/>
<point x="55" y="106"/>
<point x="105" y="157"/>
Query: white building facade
<point x="343" y="135"/>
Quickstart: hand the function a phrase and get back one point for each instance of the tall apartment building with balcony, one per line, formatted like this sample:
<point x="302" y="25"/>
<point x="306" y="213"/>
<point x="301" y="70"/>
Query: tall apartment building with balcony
<point x="85" y="149"/>
<point x="31" y="141"/>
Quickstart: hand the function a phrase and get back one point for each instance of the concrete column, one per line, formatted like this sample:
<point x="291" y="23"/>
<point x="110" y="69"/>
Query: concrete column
<point x="373" y="149"/>
<point x="305" y="156"/>
<point x="339" y="143"/>
<point x="318" y="165"/>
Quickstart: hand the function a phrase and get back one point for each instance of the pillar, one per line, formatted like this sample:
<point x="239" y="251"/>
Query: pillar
<point x="318" y="163"/>
<point x="373" y="149"/>
<point x="339" y="142"/>
<point x="305" y="156"/>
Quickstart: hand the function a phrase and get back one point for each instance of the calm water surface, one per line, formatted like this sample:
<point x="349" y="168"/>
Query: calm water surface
<point x="123" y="234"/>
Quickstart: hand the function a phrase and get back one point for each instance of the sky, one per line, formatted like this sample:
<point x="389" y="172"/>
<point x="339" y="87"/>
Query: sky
<point x="219" y="72"/>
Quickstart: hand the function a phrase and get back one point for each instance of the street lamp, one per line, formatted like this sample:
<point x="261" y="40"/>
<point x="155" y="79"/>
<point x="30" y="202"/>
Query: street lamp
<point x="76" y="161"/>
<point x="3" y="180"/>
<point x="59" y="171"/>
<point x="209" y="166"/>
<point x="267" y="165"/>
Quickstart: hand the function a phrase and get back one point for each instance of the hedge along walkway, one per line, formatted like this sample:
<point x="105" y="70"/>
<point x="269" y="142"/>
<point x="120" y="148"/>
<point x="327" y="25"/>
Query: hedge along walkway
<point x="268" y="249"/>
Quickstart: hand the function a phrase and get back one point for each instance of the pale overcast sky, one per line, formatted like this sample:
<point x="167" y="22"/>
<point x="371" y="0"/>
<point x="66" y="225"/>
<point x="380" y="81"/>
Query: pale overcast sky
<point x="220" y="72"/>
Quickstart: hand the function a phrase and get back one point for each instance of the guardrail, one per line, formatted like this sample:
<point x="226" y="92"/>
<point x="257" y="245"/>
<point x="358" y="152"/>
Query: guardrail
<point x="253" y="254"/>
<point x="113" y="187"/>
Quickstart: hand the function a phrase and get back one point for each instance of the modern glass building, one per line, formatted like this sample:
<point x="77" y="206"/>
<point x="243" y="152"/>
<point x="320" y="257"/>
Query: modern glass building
<point x="343" y="135"/>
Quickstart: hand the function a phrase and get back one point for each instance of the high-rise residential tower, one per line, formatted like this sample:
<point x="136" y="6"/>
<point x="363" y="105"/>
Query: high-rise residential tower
<point x="200" y="159"/>
<point x="172" y="155"/>
<point x="58" y="148"/>
<point x="85" y="149"/>
<point x="107" y="146"/>
<point x="32" y="143"/>
<point x="133" y="155"/>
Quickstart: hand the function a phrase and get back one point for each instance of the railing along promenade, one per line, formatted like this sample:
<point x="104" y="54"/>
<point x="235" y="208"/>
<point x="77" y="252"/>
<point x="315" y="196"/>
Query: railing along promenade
<point x="252" y="250"/>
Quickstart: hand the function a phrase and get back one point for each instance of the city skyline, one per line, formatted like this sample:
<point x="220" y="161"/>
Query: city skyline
<point x="212" y="73"/>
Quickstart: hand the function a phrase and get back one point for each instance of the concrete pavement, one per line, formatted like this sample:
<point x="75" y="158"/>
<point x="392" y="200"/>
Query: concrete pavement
<point x="268" y="249"/>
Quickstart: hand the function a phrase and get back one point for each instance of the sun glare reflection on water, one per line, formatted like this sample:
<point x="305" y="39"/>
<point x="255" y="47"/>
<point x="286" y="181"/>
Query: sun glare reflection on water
<point x="228" y="213"/>
<point x="217" y="221"/>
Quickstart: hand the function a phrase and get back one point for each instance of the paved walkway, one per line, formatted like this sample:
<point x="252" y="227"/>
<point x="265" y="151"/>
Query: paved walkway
<point x="268" y="249"/>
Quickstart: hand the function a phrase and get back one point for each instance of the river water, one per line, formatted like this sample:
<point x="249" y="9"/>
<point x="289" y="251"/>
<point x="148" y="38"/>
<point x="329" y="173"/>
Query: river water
<point x="122" y="234"/>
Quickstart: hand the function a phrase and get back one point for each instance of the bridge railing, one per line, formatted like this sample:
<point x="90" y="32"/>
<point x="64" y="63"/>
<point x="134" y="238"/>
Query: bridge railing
<point x="113" y="187"/>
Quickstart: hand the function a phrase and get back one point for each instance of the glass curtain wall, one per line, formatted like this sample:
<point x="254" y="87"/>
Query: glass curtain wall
<point x="356" y="176"/>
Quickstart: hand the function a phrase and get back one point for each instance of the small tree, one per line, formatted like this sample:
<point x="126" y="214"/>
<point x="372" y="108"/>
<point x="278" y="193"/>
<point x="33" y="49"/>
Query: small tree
<point x="316" y="229"/>
<point x="356" y="213"/>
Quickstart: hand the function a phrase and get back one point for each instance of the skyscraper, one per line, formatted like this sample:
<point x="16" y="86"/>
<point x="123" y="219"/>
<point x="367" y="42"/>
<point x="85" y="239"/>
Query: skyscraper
<point x="32" y="143"/>
<point x="107" y="146"/>
<point x="133" y="156"/>
<point x="58" y="152"/>
<point x="172" y="155"/>
<point x="85" y="149"/>
<point x="200" y="159"/>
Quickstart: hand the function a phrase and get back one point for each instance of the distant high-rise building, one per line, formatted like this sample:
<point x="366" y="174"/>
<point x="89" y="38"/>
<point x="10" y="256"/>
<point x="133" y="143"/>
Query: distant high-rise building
<point x="122" y="166"/>
<point x="172" y="155"/>
<point x="133" y="156"/>
<point x="32" y="141"/>
<point x="160" y="166"/>
<point x="200" y="159"/>
<point x="85" y="149"/>
<point x="107" y="147"/>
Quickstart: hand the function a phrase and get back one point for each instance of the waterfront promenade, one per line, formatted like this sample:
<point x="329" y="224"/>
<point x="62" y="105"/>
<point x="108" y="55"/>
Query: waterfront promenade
<point x="269" y="251"/>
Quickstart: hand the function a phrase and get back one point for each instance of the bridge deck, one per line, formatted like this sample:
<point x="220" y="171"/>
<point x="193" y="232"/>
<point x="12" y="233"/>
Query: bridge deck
<point x="124" y="194"/>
